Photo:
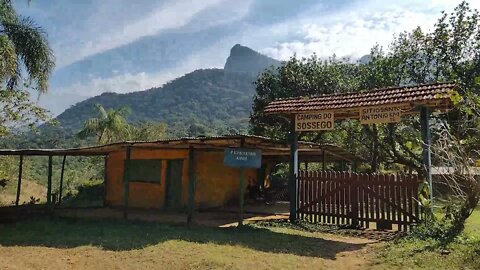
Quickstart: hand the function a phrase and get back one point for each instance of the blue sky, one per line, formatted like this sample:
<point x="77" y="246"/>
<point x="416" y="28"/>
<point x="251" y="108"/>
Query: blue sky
<point x="124" y="45"/>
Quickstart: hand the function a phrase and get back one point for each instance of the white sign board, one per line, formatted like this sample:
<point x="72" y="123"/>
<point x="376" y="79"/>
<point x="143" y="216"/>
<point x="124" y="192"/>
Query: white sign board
<point x="314" y="121"/>
<point x="380" y="114"/>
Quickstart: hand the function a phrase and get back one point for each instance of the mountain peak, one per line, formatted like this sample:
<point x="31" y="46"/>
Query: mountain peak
<point x="245" y="60"/>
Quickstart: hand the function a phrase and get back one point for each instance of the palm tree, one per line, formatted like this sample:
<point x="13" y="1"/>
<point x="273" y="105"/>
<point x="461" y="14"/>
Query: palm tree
<point x="24" y="50"/>
<point x="108" y="127"/>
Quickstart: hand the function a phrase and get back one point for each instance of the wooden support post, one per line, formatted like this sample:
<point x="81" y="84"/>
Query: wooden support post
<point x="354" y="199"/>
<point x="261" y="175"/>
<point x="105" y="177"/>
<point x="126" y="180"/>
<point x="60" y="191"/>
<point x="427" y="153"/>
<point x="342" y="165"/>
<point x="242" y="189"/>
<point x="191" y="184"/>
<point x="292" y="185"/>
<point x="324" y="160"/>
<point x="19" y="184"/>
<point x="242" y="194"/>
<point x="306" y="166"/>
<point x="49" y="181"/>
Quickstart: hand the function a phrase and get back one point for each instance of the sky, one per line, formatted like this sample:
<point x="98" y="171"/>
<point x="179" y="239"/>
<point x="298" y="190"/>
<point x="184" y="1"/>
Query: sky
<point x="124" y="46"/>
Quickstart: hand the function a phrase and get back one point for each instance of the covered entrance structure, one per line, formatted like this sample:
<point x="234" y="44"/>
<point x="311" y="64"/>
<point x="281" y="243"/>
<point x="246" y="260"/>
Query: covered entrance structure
<point x="369" y="107"/>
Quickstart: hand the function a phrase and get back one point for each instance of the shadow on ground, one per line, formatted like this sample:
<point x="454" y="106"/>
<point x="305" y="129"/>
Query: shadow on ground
<point x="128" y="235"/>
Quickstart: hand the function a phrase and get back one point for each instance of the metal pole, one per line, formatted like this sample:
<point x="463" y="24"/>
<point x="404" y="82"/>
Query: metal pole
<point x="292" y="185"/>
<point x="427" y="153"/>
<point x="19" y="184"/>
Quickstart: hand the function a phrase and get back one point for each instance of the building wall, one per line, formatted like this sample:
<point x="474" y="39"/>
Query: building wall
<point x="142" y="195"/>
<point x="215" y="184"/>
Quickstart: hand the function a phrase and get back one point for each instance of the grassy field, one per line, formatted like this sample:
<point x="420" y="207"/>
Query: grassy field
<point x="463" y="253"/>
<point x="119" y="244"/>
<point x="70" y="244"/>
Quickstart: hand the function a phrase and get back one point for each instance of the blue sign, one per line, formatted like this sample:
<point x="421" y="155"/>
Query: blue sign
<point x="243" y="158"/>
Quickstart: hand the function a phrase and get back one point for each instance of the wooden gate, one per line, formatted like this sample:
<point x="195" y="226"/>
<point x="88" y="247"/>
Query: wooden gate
<point x="358" y="199"/>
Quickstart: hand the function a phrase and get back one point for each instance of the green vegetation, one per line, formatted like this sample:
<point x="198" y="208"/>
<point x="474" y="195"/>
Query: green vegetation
<point x="108" y="127"/>
<point x="449" y="53"/>
<point x="111" y="126"/>
<point x="416" y="252"/>
<point x="89" y="193"/>
<point x="204" y="102"/>
<point x="208" y="102"/>
<point x="81" y="173"/>
<point x="26" y="62"/>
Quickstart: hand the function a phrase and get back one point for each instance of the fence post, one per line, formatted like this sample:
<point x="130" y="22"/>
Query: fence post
<point x="354" y="197"/>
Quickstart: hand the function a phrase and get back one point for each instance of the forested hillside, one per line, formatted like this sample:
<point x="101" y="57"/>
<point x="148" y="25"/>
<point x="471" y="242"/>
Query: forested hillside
<point x="208" y="101"/>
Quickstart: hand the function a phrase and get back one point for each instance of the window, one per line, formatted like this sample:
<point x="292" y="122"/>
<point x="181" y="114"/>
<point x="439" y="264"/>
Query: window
<point x="144" y="170"/>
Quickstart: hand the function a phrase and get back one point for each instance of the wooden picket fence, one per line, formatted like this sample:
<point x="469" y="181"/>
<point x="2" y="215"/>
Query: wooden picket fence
<point x="359" y="199"/>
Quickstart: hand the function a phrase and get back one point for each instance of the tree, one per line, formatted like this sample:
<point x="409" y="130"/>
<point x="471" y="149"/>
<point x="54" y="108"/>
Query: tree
<point x="148" y="131"/>
<point x="461" y="177"/>
<point x="108" y="127"/>
<point x="298" y="77"/>
<point x="26" y="62"/>
<point x="449" y="53"/>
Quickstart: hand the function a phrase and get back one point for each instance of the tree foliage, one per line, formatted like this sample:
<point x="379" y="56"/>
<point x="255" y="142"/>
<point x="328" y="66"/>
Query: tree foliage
<point x="213" y="98"/>
<point x="449" y="53"/>
<point x="110" y="125"/>
<point x="26" y="62"/>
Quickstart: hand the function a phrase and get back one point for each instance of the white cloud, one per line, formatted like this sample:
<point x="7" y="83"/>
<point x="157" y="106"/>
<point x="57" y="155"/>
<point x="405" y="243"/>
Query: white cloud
<point x="348" y="32"/>
<point x="172" y="15"/>
<point x="58" y="100"/>
<point x="353" y="32"/>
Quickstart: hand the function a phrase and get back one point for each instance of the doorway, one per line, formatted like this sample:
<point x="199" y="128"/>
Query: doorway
<point x="173" y="183"/>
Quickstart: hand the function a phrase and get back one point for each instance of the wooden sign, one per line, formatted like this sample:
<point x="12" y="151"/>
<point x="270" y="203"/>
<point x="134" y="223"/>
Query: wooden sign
<point x="314" y="121"/>
<point x="242" y="157"/>
<point x="380" y="114"/>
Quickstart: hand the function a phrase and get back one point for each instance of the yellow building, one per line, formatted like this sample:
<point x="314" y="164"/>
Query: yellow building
<point x="185" y="173"/>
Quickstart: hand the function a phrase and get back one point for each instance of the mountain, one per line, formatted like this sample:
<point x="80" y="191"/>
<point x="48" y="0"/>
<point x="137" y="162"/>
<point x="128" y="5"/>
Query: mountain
<point x="365" y="59"/>
<point x="211" y="101"/>
<point x="245" y="60"/>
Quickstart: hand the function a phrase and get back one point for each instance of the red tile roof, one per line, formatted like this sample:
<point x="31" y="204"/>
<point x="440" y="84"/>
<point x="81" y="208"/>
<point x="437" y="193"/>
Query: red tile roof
<point x="433" y="95"/>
